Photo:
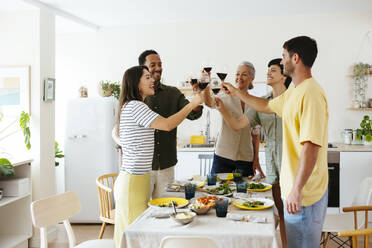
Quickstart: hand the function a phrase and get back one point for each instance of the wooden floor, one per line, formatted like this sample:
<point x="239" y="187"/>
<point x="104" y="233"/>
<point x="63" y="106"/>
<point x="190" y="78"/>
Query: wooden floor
<point x="87" y="232"/>
<point x="82" y="233"/>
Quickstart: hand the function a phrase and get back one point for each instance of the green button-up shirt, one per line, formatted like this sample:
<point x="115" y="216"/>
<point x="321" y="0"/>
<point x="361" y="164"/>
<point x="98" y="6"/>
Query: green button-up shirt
<point x="272" y="125"/>
<point x="167" y="101"/>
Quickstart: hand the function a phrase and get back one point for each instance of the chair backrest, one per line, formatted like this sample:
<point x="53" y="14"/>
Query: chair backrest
<point x="187" y="242"/>
<point x="355" y="233"/>
<point x="105" y="187"/>
<point x="205" y="163"/>
<point x="52" y="210"/>
<point x="363" y="197"/>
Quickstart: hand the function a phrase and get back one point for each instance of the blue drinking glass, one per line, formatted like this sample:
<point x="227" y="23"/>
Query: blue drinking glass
<point x="189" y="191"/>
<point x="238" y="175"/>
<point x="211" y="179"/>
<point x="221" y="207"/>
<point x="241" y="187"/>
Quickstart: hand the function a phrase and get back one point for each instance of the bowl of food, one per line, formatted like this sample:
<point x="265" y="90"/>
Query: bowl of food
<point x="199" y="208"/>
<point x="183" y="218"/>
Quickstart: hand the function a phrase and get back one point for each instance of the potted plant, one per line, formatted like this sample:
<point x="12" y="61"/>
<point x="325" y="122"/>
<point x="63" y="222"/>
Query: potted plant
<point x="57" y="153"/>
<point x="366" y="130"/>
<point x="108" y="88"/>
<point x="6" y="167"/>
<point x="359" y="76"/>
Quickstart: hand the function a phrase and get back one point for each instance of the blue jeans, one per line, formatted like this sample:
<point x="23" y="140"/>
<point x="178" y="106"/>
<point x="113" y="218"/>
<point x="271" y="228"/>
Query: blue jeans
<point x="224" y="165"/>
<point x="304" y="229"/>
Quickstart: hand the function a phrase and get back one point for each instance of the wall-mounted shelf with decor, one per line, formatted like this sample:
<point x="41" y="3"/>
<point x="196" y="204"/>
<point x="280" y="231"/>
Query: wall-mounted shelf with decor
<point x="187" y="91"/>
<point x="359" y="109"/>
<point x="368" y="75"/>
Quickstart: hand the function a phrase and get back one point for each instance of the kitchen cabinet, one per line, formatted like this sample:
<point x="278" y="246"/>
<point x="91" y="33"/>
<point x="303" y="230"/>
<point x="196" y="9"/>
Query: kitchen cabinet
<point x="354" y="167"/>
<point x="189" y="165"/>
<point x="15" y="214"/>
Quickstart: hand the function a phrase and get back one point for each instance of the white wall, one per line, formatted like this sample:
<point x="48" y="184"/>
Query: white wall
<point x="85" y="59"/>
<point x="14" y="30"/>
<point x="27" y="38"/>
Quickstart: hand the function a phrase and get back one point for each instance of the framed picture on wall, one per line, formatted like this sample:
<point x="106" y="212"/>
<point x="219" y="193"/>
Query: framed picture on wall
<point x="15" y="95"/>
<point x="49" y="89"/>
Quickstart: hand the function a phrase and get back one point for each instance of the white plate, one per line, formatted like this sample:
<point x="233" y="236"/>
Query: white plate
<point x="232" y="187"/>
<point x="268" y="203"/>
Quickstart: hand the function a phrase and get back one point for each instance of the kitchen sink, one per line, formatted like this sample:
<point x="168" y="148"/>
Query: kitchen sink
<point x="198" y="145"/>
<point x="330" y="145"/>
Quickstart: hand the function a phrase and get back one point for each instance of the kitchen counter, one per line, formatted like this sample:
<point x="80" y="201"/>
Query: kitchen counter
<point x="340" y="147"/>
<point x="208" y="149"/>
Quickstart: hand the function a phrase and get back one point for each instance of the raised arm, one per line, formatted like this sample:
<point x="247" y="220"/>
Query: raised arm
<point x="167" y="124"/>
<point x="258" y="103"/>
<point x="232" y="122"/>
<point x="197" y="112"/>
<point x="208" y="99"/>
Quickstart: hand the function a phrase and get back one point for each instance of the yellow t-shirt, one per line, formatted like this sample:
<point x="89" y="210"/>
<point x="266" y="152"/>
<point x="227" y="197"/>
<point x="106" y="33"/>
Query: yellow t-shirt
<point x="304" y="111"/>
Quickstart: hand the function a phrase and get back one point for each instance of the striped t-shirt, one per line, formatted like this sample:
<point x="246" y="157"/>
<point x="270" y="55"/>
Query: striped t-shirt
<point x="136" y="138"/>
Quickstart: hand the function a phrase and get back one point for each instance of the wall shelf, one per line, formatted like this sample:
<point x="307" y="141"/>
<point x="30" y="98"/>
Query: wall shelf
<point x="9" y="199"/>
<point x="15" y="212"/>
<point x="360" y="109"/>
<point x="13" y="240"/>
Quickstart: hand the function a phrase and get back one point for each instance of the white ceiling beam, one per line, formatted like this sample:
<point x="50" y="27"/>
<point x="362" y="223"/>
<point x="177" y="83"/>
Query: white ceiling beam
<point x="62" y="13"/>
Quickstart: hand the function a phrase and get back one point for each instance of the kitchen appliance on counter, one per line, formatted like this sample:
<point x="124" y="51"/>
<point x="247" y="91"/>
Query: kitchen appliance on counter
<point x="334" y="179"/>
<point x="347" y="136"/>
<point x="89" y="151"/>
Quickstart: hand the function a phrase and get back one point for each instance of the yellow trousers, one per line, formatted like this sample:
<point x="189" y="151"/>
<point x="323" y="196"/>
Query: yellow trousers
<point x="132" y="193"/>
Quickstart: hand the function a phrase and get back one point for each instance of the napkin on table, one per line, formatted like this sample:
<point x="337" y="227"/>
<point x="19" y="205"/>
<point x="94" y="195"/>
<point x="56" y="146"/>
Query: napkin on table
<point x="243" y="217"/>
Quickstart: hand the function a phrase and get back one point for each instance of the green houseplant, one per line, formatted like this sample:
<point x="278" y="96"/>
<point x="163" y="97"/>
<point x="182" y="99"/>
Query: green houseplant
<point x="366" y="130"/>
<point x="359" y="77"/>
<point x="110" y="88"/>
<point x="6" y="167"/>
<point x="57" y="153"/>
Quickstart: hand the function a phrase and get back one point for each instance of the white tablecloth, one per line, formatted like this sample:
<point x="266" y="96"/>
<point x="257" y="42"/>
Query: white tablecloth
<point x="147" y="232"/>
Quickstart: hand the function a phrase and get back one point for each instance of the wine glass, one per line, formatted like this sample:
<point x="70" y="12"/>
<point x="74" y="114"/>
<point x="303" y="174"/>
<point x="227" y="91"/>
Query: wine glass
<point x="207" y="67"/>
<point x="222" y="72"/>
<point x="204" y="81"/>
<point x="215" y="85"/>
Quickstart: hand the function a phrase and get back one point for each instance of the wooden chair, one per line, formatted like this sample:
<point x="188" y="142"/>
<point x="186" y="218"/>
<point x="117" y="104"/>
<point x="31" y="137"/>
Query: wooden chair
<point x="355" y="233"/>
<point x="205" y="163"/>
<point x="105" y="187"/>
<point x="54" y="209"/>
<point x="187" y="241"/>
<point x="335" y="223"/>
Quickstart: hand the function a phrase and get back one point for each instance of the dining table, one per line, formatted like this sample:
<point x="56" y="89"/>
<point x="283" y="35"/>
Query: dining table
<point x="148" y="231"/>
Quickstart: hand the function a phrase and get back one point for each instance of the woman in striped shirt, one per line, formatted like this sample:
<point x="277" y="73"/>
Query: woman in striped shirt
<point x="136" y="124"/>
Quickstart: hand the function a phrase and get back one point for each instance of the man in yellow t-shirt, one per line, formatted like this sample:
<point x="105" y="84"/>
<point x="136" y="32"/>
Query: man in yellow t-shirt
<point x="304" y="172"/>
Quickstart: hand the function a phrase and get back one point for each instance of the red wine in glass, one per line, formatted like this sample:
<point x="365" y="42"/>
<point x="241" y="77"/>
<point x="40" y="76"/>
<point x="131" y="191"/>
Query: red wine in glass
<point x="207" y="69"/>
<point x="216" y="90"/>
<point x="202" y="86"/>
<point x="194" y="81"/>
<point x="221" y="75"/>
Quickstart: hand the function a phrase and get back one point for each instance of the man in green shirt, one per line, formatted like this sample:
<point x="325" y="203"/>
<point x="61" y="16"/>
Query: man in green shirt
<point x="166" y="101"/>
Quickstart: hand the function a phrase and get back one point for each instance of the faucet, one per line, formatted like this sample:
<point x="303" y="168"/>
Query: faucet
<point x="208" y="128"/>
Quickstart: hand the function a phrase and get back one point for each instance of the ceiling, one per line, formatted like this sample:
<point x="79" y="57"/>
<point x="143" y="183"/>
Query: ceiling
<point x="106" y="13"/>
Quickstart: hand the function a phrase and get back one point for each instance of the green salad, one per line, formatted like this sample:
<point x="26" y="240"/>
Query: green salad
<point x="256" y="186"/>
<point x="253" y="204"/>
<point x="223" y="189"/>
<point x="167" y="205"/>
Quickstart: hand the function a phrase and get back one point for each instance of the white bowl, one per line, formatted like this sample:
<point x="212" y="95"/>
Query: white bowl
<point x="200" y="211"/>
<point x="183" y="221"/>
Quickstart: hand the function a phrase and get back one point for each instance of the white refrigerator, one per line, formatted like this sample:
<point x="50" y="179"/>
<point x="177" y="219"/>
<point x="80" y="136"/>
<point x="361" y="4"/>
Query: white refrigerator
<point x="89" y="150"/>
